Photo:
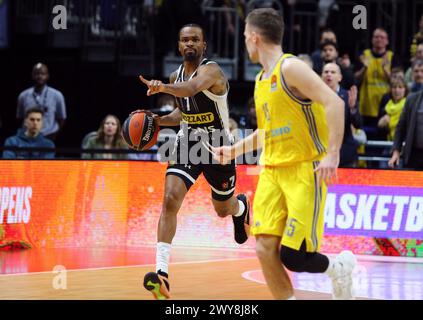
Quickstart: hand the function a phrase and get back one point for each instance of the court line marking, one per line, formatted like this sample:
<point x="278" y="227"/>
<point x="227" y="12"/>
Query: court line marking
<point x="128" y="266"/>
<point x="386" y="259"/>
<point x="363" y="257"/>
<point x="154" y="246"/>
<point x="248" y="276"/>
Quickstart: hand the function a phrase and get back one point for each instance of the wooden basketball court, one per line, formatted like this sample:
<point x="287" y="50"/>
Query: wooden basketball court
<point x="195" y="274"/>
<point x="190" y="281"/>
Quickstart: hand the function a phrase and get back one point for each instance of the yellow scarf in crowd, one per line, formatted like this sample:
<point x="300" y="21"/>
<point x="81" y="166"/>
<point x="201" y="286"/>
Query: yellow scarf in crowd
<point x="394" y="112"/>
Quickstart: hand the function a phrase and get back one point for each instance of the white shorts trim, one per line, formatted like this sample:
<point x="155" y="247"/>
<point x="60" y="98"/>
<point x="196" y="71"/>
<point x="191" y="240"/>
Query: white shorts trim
<point x="223" y="193"/>
<point x="183" y="173"/>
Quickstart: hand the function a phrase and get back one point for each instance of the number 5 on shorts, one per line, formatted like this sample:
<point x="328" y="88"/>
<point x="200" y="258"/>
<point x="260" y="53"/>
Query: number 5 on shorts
<point x="290" y="227"/>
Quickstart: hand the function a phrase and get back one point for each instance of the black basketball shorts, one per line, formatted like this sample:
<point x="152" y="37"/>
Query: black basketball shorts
<point x="221" y="178"/>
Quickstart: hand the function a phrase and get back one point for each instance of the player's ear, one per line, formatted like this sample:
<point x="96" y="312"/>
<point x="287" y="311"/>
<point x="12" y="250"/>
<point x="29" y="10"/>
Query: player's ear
<point x="254" y="37"/>
<point x="205" y="47"/>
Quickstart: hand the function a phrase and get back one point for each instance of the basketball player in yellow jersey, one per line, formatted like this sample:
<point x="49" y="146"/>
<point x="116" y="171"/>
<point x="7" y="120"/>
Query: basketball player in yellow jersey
<point x="300" y="128"/>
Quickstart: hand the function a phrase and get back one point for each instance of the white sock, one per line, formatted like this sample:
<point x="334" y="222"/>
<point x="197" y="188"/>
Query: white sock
<point x="292" y="298"/>
<point x="241" y="209"/>
<point x="162" y="256"/>
<point x="331" y="268"/>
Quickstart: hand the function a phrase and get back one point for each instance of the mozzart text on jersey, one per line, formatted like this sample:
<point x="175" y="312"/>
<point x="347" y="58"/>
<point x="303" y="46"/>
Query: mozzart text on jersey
<point x="15" y="204"/>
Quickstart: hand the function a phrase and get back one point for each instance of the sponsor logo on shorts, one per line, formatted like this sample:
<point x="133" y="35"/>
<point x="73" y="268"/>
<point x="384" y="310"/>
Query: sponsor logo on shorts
<point x="199" y="118"/>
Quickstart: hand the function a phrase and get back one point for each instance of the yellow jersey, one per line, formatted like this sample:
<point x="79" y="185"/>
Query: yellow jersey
<point x="295" y="130"/>
<point x="375" y="84"/>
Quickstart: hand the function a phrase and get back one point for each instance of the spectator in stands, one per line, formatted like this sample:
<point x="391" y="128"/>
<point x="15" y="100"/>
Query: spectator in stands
<point x="390" y="115"/>
<point x="373" y="72"/>
<point x="166" y="103"/>
<point x="107" y="137"/>
<point x="417" y="84"/>
<point x="48" y="99"/>
<point x="29" y="137"/>
<point x="409" y="72"/>
<point x="410" y="130"/>
<point x="396" y="72"/>
<point x="330" y="55"/>
<point x="233" y="128"/>
<point x="418" y="38"/>
<point x="332" y="76"/>
<point x="248" y="121"/>
<point x="345" y="61"/>
<point x="251" y="116"/>
<point x="316" y="56"/>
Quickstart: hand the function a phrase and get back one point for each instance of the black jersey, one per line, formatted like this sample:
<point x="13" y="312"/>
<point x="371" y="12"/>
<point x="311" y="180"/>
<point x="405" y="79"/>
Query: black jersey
<point x="205" y="122"/>
<point x="205" y="112"/>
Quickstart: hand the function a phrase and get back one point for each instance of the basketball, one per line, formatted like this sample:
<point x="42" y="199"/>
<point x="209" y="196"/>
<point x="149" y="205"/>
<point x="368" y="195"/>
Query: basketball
<point x="140" y="131"/>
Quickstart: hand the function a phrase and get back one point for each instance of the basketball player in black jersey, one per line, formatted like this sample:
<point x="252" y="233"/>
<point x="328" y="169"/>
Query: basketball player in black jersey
<point x="201" y="90"/>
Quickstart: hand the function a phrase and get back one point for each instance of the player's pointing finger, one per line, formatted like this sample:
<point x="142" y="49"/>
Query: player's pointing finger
<point x="144" y="80"/>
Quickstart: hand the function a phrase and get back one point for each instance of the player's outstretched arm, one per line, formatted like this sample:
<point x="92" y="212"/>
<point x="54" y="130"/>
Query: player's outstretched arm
<point x="206" y="77"/>
<point x="170" y="120"/>
<point x="311" y="86"/>
<point x="249" y="144"/>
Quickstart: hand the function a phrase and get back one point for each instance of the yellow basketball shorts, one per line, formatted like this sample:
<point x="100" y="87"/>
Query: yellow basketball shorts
<point x="288" y="203"/>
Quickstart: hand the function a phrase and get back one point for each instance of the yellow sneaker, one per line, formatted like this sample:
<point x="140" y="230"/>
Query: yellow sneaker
<point x="157" y="284"/>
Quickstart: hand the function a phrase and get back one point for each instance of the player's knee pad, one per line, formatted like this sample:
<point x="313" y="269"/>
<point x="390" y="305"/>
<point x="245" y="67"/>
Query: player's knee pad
<point x="292" y="259"/>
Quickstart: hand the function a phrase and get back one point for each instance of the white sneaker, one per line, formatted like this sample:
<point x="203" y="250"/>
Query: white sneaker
<point x="342" y="281"/>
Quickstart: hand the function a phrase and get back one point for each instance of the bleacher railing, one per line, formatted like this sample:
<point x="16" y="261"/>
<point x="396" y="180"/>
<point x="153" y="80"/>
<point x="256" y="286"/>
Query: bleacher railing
<point x="75" y="153"/>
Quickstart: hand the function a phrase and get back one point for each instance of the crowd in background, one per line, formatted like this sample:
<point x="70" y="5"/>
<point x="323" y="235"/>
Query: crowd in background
<point x="383" y="101"/>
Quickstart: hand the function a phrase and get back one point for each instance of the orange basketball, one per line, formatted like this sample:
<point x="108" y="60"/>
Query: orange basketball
<point x="140" y="131"/>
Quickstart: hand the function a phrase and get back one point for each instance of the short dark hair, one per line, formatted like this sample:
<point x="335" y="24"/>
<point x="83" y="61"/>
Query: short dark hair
<point x="327" y="30"/>
<point x="329" y="43"/>
<point x="397" y="70"/>
<point x="417" y="63"/>
<point x="193" y="25"/>
<point x="269" y="22"/>
<point x="34" y="110"/>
